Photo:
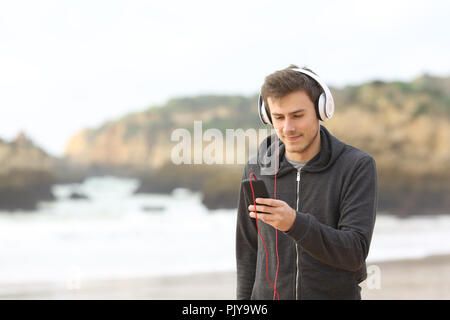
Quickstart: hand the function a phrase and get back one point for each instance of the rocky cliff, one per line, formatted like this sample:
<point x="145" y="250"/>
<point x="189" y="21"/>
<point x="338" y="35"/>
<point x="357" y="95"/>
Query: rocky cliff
<point x="26" y="174"/>
<point x="142" y="141"/>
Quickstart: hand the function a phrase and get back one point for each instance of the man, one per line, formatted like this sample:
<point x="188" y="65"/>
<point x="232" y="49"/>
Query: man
<point x="318" y="226"/>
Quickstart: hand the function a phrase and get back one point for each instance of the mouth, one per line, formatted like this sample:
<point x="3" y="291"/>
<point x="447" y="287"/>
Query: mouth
<point x="293" y="138"/>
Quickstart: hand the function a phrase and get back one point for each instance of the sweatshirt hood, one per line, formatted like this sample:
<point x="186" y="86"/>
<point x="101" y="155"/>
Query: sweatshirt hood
<point x="330" y="149"/>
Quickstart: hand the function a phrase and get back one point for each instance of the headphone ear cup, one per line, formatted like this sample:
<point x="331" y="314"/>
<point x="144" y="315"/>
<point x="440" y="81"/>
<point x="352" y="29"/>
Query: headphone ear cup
<point x="330" y="108"/>
<point x="263" y="114"/>
<point x="320" y="107"/>
<point x="325" y="107"/>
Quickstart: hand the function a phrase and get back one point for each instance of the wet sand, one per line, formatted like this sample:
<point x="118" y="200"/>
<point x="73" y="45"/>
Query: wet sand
<point x="427" y="278"/>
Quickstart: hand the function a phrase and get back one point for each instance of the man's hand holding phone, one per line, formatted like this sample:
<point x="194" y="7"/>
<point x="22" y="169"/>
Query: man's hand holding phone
<point x="275" y="212"/>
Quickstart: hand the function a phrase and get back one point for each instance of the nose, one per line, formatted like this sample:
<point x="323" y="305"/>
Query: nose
<point x="288" y="125"/>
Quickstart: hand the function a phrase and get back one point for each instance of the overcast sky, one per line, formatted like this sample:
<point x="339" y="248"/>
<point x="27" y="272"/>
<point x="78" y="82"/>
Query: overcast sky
<point x="67" y="65"/>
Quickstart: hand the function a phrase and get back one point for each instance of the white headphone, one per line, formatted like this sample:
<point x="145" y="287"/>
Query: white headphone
<point x="324" y="106"/>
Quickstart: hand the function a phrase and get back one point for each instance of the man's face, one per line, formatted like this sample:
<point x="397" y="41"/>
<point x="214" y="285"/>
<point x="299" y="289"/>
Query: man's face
<point x="295" y="121"/>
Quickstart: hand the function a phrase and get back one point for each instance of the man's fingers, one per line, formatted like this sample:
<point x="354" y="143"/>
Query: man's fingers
<point x="261" y="216"/>
<point x="260" y="208"/>
<point x="270" y="202"/>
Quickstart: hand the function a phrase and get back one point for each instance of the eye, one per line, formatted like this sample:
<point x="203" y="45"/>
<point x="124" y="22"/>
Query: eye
<point x="278" y="118"/>
<point x="298" y="116"/>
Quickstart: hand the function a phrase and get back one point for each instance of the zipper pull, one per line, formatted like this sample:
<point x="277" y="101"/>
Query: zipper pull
<point x="298" y="175"/>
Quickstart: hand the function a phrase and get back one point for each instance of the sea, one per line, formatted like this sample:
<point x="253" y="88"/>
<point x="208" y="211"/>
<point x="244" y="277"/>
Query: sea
<point x="116" y="234"/>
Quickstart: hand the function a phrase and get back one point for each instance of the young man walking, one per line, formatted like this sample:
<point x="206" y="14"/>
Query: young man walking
<point x="309" y="240"/>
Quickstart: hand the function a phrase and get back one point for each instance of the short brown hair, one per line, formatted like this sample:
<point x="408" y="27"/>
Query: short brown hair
<point x="283" y="82"/>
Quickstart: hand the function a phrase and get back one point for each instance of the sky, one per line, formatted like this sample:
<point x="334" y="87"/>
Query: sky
<point x="69" y="65"/>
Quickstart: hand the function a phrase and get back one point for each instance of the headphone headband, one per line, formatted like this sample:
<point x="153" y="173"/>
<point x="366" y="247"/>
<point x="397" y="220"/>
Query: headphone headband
<point x="324" y="106"/>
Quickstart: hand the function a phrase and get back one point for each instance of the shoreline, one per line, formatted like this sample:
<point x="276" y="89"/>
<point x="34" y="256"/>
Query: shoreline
<point x="423" y="278"/>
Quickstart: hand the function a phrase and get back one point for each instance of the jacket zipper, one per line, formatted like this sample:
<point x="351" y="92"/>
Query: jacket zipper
<point x="296" y="246"/>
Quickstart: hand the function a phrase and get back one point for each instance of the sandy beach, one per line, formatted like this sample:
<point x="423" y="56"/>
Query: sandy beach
<point x="427" y="278"/>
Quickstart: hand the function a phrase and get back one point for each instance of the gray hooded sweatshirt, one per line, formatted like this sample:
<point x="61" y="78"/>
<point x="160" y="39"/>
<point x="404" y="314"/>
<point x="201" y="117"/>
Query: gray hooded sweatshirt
<point x="323" y="255"/>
